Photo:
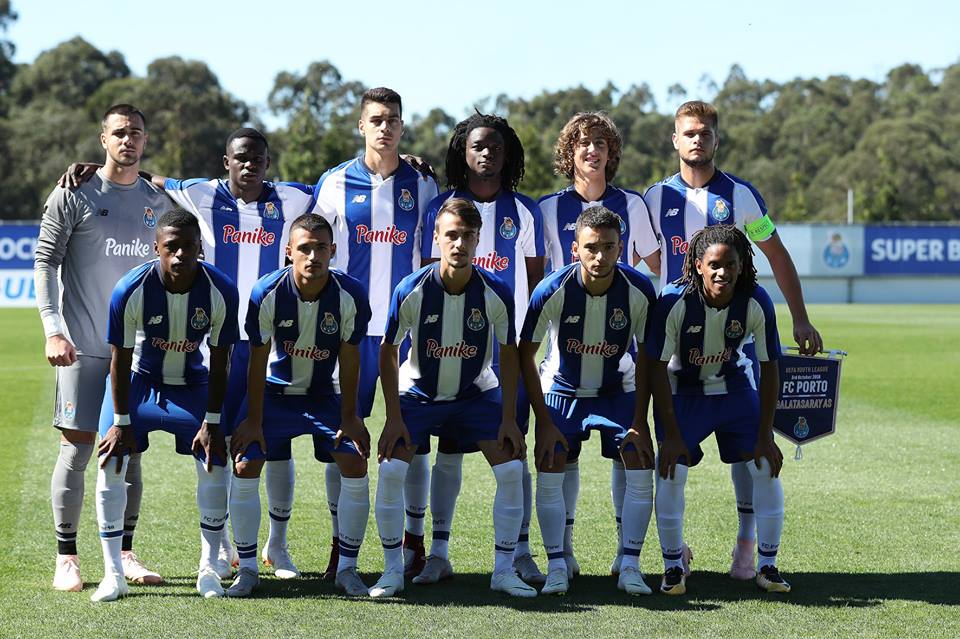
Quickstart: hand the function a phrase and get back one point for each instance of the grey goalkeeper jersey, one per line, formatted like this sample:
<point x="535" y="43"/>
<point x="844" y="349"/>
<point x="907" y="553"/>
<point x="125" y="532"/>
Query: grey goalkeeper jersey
<point x="93" y="236"/>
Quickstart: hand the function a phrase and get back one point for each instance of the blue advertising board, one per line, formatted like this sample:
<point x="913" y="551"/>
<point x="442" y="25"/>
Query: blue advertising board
<point x="17" y="245"/>
<point x="912" y="250"/>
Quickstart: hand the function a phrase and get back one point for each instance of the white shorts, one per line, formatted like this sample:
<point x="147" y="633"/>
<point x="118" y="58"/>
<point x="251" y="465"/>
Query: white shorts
<point x="81" y="388"/>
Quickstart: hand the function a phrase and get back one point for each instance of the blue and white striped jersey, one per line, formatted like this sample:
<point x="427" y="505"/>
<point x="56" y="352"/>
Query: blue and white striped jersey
<point x="377" y="225"/>
<point x="166" y="330"/>
<point x="512" y="231"/>
<point x="561" y="210"/>
<point x="590" y="336"/>
<point x="678" y="211"/>
<point x="704" y="345"/>
<point x="451" y="336"/>
<point x="306" y="335"/>
<point x="245" y="240"/>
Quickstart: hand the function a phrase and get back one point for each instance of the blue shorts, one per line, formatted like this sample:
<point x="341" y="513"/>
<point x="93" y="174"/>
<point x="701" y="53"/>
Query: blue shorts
<point x="236" y="393"/>
<point x="370" y="370"/>
<point x="289" y="416"/>
<point x="178" y="410"/>
<point x="733" y="418"/>
<point x="575" y="417"/>
<point x="467" y="420"/>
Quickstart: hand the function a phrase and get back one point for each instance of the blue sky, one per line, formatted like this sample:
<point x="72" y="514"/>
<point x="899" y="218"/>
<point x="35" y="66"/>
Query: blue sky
<point x="453" y="54"/>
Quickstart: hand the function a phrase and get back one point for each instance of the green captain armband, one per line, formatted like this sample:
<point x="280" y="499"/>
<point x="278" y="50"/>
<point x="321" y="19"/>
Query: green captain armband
<point x="760" y="229"/>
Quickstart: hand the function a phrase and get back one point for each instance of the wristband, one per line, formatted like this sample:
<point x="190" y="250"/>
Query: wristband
<point x="52" y="325"/>
<point x="212" y="418"/>
<point x="121" y="420"/>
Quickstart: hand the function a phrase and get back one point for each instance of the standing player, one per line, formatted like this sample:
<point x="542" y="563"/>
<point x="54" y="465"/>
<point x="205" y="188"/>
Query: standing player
<point x="376" y="204"/>
<point x="172" y="323"/>
<point x="453" y="312"/>
<point x="91" y="237"/>
<point x="588" y="153"/>
<point x="305" y="323"/>
<point x="697" y="338"/>
<point x="700" y="195"/>
<point x="485" y="163"/>
<point x="593" y="311"/>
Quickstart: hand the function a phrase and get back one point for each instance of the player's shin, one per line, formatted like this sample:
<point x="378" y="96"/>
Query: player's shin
<point x="212" y="505"/>
<point x="551" y="514"/>
<point x="111" y="502"/>
<point x="507" y="512"/>
<point x="523" y="541"/>
<point x="279" y="477"/>
<point x="670" y="506"/>
<point x="416" y="491"/>
<point x="66" y="493"/>
<point x="134" y="498"/>
<point x="444" y="489"/>
<point x="637" y="508"/>
<point x="354" y="510"/>
<point x="332" y="480"/>
<point x="245" y="518"/>
<point x="618" y="487"/>
<point x="571" y="492"/>
<point x="768" y="506"/>
<point x="389" y="512"/>
<point x="743" y="489"/>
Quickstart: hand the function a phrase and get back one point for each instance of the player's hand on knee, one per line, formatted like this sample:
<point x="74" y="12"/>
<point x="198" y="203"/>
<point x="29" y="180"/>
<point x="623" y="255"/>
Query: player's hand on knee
<point x="639" y="436"/>
<point x="510" y="433"/>
<point x="393" y="432"/>
<point x="114" y="443"/>
<point x="548" y="436"/>
<point x="672" y="449"/>
<point x="60" y="351"/>
<point x="807" y="338"/>
<point x="767" y="447"/>
<point x="211" y="442"/>
<point x="247" y="433"/>
<point x="353" y="428"/>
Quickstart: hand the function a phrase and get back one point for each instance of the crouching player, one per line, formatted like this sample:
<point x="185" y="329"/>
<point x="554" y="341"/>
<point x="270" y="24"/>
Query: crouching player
<point x="160" y="313"/>
<point x="305" y="322"/>
<point x="453" y="311"/>
<point x="593" y="309"/>
<point x="696" y="339"/>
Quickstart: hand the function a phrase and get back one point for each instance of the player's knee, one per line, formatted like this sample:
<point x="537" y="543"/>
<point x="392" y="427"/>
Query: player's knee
<point x="78" y="436"/>
<point x="248" y="469"/>
<point x="351" y="466"/>
<point x="392" y="473"/>
<point x="509" y="472"/>
<point x="633" y="461"/>
<point x="75" y="456"/>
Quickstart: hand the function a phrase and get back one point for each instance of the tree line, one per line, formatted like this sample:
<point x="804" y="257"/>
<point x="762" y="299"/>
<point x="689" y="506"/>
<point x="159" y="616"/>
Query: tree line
<point x="802" y="143"/>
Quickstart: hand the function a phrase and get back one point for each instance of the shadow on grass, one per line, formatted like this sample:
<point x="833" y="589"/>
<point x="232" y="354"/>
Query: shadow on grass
<point x="706" y="591"/>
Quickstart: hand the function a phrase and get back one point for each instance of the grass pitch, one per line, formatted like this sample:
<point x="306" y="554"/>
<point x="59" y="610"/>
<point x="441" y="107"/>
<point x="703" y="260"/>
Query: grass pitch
<point x="872" y="524"/>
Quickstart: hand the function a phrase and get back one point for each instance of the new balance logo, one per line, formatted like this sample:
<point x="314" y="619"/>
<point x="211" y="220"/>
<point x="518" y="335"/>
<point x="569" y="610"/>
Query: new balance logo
<point x="359" y="199"/>
<point x="671" y="212"/>
<point x="572" y="226"/>
<point x="226" y="208"/>
<point x="156" y="319"/>
<point x="694" y="329"/>
<point x="431" y="319"/>
<point x="572" y="319"/>
<point x="287" y="323"/>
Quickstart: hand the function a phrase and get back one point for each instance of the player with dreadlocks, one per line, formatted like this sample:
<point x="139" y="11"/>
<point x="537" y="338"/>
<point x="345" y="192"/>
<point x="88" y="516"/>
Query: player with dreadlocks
<point x="485" y="165"/>
<point x="697" y="337"/>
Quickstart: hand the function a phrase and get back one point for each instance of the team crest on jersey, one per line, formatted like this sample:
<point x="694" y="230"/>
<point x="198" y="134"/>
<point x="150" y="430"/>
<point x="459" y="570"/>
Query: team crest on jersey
<point x="801" y="429"/>
<point x="69" y="411"/>
<point x="720" y="210"/>
<point x="734" y="330"/>
<point x="329" y="324"/>
<point x="149" y="217"/>
<point x="618" y="321"/>
<point x="199" y="321"/>
<point x="270" y="211"/>
<point x="623" y="225"/>
<point x="476" y="322"/>
<point x="508" y="230"/>
<point x="406" y="201"/>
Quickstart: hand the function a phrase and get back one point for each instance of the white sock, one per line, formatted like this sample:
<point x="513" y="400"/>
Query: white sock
<point x="618" y="487"/>
<point x="226" y="545"/>
<point x="416" y="492"/>
<point x="768" y="504"/>
<point x="332" y="478"/>
<point x="131" y="513"/>
<point x="507" y="513"/>
<point x="571" y="491"/>
<point x="444" y="490"/>
<point x="670" y="506"/>
<point x="245" y="518"/>
<point x="111" y="503"/>
<point x="550" y="512"/>
<point x="743" y="489"/>
<point x="212" y="504"/>
<point x="280" y="477"/>
<point x="389" y="512"/>
<point x="523" y="541"/>
<point x="637" y="508"/>
<point x="354" y="510"/>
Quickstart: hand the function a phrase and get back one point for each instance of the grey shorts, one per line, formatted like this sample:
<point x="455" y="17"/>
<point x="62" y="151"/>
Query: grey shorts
<point x="80" y="391"/>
